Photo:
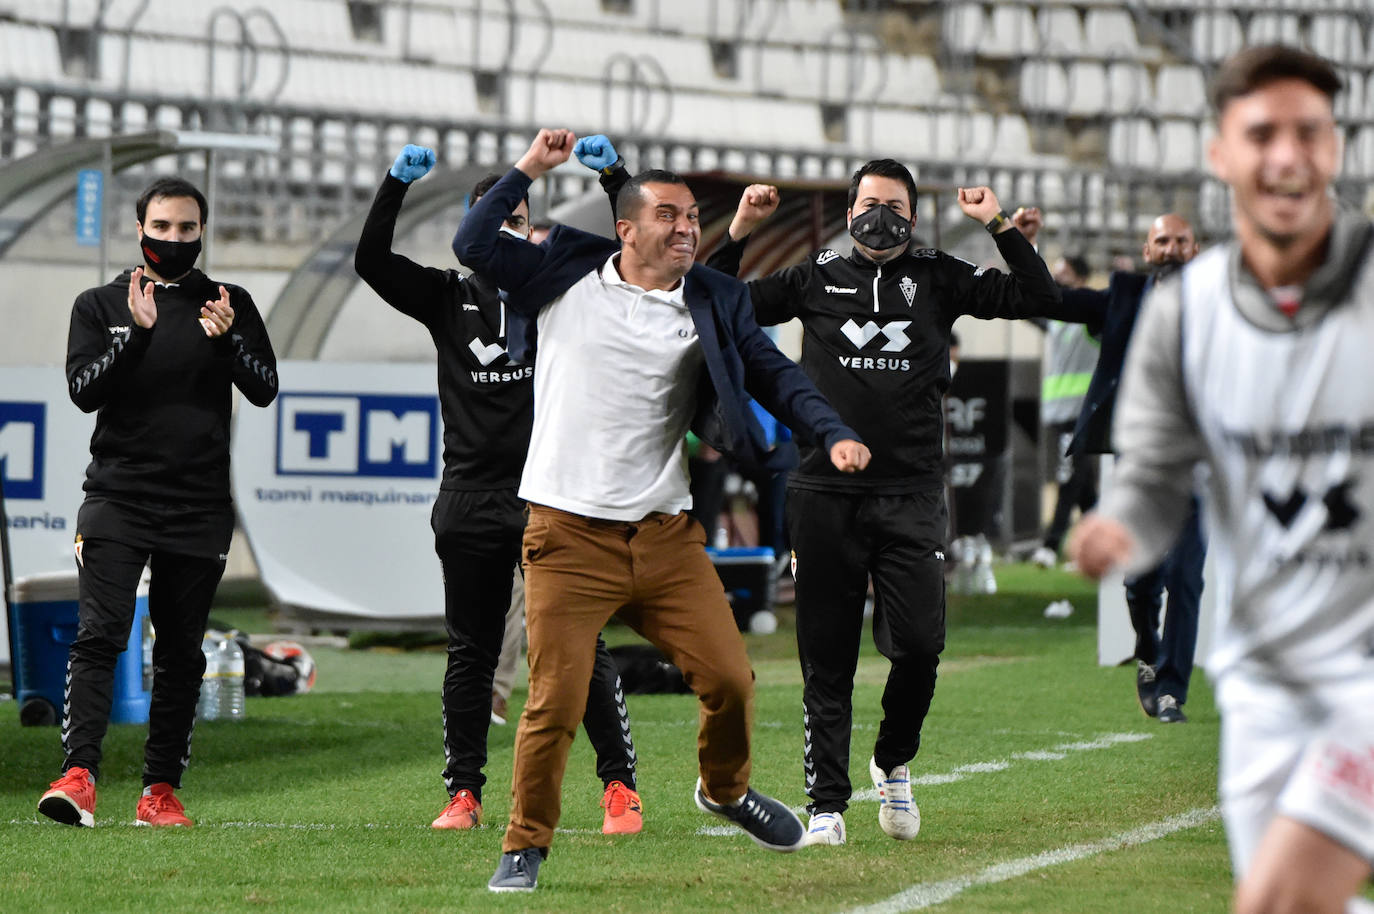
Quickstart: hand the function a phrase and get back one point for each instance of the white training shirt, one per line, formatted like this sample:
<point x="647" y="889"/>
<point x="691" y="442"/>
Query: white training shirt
<point x="1285" y="419"/>
<point x="613" y="396"/>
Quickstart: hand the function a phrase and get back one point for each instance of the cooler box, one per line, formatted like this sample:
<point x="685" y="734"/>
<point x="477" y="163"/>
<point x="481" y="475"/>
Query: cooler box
<point x="43" y="619"/>
<point x="747" y="573"/>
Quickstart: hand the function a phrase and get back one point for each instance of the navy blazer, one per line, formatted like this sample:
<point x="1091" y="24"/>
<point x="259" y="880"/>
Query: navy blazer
<point x="1115" y="310"/>
<point x="740" y="358"/>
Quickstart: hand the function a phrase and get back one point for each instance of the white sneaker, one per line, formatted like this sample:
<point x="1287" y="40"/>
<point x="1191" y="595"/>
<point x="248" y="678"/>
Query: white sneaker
<point x="897" y="813"/>
<point x="825" y="828"/>
<point x="1045" y="557"/>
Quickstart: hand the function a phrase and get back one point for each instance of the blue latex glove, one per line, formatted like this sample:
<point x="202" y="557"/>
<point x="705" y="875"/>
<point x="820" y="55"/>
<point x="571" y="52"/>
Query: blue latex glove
<point x="596" y="152"/>
<point x="413" y="162"/>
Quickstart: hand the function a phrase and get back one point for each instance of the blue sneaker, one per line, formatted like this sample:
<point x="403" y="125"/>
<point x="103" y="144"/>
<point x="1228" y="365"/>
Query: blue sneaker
<point x="518" y="871"/>
<point x="767" y="821"/>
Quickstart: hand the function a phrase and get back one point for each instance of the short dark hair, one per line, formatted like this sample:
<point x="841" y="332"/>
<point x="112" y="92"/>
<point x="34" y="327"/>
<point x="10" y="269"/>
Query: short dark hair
<point x="884" y="168"/>
<point x="1253" y="68"/>
<point x="170" y="187"/>
<point x="631" y="194"/>
<point x="481" y="187"/>
<point x="1079" y="264"/>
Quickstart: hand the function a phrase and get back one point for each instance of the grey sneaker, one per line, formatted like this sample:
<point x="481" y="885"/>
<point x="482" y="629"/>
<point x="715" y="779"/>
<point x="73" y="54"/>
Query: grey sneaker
<point x="1170" y="712"/>
<point x="1145" y="688"/>
<point x="767" y="821"/>
<point x="518" y="871"/>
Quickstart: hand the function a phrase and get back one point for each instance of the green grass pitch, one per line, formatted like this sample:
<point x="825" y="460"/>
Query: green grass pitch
<point x="1044" y="790"/>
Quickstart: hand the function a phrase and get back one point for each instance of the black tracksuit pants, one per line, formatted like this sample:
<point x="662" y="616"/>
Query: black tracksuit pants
<point x="179" y="596"/>
<point x="477" y="536"/>
<point x="838" y="540"/>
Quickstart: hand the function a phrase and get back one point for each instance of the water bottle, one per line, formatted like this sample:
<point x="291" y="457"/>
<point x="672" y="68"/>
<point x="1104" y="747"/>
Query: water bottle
<point x="231" y="679"/>
<point x="207" y="708"/>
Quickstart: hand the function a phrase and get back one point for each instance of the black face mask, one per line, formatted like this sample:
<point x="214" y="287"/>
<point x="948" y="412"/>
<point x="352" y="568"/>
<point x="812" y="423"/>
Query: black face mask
<point x="170" y="259"/>
<point x="880" y="228"/>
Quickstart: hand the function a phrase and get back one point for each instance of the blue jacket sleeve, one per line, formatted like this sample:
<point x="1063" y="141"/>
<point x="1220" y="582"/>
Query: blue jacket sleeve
<point x="479" y="245"/>
<point x="781" y="386"/>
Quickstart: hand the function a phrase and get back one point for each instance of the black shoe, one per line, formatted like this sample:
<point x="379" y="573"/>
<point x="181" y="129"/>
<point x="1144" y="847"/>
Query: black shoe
<point x="768" y="822"/>
<point x="1170" y="712"/>
<point x="518" y="871"/>
<point x="1145" y="688"/>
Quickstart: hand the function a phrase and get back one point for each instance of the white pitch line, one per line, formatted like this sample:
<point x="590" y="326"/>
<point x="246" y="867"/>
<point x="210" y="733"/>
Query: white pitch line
<point x="1057" y="753"/>
<point x="1053" y="754"/>
<point x="929" y="894"/>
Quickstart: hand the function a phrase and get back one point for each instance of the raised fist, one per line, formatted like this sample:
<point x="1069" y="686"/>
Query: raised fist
<point x="413" y="163"/>
<point x="596" y="152"/>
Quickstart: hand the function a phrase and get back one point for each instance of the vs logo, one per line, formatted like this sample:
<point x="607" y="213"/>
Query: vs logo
<point x="895" y="331"/>
<point x="1341" y="512"/>
<point x="374" y="435"/>
<point x="23" y="429"/>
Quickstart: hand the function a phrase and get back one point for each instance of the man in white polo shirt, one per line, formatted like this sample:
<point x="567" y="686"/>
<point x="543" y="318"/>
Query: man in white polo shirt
<point x="636" y="345"/>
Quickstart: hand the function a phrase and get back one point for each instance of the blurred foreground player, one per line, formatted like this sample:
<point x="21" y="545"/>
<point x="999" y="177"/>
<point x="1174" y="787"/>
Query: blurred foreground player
<point x="157" y="353"/>
<point x="1256" y="361"/>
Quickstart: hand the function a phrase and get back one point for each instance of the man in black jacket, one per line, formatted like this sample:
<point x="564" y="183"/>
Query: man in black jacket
<point x="878" y="325"/>
<point x="1164" y="665"/>
<point x="488" y="407"/>
<point x="157" y="353"/>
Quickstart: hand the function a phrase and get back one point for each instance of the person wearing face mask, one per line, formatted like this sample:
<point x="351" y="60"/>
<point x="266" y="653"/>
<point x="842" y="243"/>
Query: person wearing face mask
<point x="156" y="354"/>
<point x="487" y="403"/>
<point x="877" y="343"/>
<point x="1164" y="664"/>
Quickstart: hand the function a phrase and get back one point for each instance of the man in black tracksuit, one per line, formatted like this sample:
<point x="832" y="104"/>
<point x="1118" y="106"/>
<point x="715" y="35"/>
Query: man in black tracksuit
<point x="157" y="353"/>
<point x="487" y="404"/>
<point x="877" y="332"/>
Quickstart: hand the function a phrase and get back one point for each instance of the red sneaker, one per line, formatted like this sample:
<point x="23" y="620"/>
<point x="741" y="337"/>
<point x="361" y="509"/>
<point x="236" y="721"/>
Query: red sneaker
<point x="623" y="813"/>
<point x="463" y="811"/>
<point x="161" y="807"/>
<point x="70" y="799"/>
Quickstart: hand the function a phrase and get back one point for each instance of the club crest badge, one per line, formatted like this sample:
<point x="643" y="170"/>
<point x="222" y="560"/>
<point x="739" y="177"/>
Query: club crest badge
<point x="908" y="287"/>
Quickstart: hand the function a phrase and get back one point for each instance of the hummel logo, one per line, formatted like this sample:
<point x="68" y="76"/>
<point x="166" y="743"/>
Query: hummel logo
<point x="897" y="340"/>
<point x="468" y="307"/>
<point x="118" y="329"/>
<point x="841" y="290"/>
<point x="908" y="287"/>
<point x="488" y="353"/>
<point x="825" y="257"/>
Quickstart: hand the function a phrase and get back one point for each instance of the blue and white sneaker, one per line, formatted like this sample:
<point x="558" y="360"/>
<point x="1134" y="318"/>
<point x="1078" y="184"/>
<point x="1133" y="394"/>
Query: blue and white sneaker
<point x="825" y="828"/>
<point x="898" y="816"/>
<point x="518" y="871"/>
<point x="770" y="823"/>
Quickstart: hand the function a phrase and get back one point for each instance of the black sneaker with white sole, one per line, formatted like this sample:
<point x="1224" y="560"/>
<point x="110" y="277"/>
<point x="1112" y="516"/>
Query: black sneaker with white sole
<point x="770" y="823"/>
<point x="518" y="871"/>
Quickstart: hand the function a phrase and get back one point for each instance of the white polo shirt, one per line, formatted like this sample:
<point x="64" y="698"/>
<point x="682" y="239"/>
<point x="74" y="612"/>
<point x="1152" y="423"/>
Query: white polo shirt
<point x="613" y="396"/>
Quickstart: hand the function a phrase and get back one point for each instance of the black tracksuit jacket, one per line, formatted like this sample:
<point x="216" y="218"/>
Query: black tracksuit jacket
<point x="162" y="394"/>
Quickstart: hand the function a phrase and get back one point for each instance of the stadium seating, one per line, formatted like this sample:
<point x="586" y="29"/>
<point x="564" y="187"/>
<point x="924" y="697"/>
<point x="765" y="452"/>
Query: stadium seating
<point x="1012" y="88"/>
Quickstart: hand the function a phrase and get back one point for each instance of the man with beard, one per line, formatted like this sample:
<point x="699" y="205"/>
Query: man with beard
<point x="1163" y="665"/>
<point x="878" y="332"/>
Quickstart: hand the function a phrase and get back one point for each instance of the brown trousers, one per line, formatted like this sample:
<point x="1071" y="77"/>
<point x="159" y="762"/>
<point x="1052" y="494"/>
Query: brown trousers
<point x="655" y="574"/>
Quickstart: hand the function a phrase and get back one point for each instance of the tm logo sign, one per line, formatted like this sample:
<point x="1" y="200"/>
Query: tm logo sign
<point x="22" y="433"/>
<point x="371" y="435"/>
